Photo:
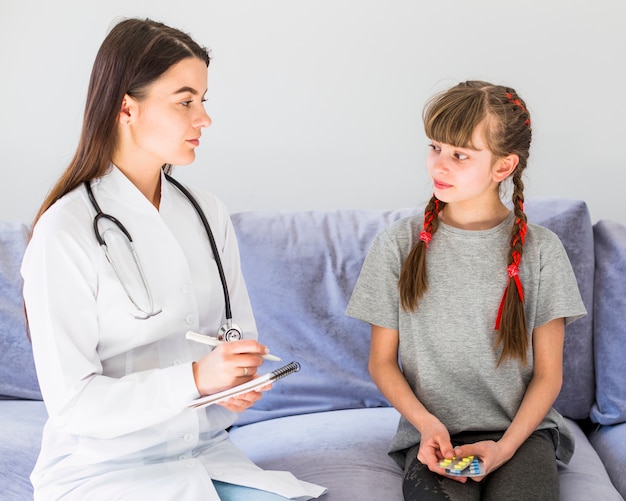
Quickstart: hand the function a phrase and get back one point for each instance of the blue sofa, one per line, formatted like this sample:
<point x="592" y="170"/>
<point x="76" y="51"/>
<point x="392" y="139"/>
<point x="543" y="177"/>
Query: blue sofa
<point x="328" y="423"/>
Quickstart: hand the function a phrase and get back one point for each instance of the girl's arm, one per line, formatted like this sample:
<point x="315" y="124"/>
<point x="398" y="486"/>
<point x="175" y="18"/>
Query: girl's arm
<point x="386" y="374"/>
<point x="540" y="395"/>
<point x="544" y="387"/>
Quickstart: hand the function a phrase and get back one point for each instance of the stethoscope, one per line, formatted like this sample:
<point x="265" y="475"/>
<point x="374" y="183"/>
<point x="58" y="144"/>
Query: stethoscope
<point x="228" y="331"/>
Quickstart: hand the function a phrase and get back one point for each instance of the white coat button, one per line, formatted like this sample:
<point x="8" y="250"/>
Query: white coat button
<point x="185" y="289"/>
<point x="188" y="437"/>
<point x="189" y="319"/>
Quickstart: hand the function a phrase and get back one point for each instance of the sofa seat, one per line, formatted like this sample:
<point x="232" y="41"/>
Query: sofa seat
<point x="610" y="442"/>
<point x="21" y="425"/>
<point x="328" y="448"/>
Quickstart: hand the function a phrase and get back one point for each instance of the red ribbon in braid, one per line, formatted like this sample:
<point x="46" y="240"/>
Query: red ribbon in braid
<point x="427" y="234"/>
<point x="516" y="101"/>
<point x="513" y="268"/>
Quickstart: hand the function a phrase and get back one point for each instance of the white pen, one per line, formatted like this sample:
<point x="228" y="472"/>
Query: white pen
<point x="213" y="341"/>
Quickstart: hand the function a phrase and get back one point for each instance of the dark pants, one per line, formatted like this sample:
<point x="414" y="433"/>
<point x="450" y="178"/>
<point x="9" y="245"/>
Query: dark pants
<point x="530" y="475"/>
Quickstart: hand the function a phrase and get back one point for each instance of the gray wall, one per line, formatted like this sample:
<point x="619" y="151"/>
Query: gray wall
<point x="316" y="104"/>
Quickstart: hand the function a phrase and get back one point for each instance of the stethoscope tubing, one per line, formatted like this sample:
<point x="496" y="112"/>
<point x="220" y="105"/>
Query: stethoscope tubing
<point x="220" y="268"/>
<point x="218" y="261"/>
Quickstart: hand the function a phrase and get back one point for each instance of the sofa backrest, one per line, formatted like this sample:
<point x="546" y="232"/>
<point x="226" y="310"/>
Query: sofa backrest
<point x="609" y="332"/>
<point x="301" y="267"/>
<point x="570" y="220"/>
<point x="17" y="369"/>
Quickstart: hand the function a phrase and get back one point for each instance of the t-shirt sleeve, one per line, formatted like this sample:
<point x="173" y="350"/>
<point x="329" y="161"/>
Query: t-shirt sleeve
<point x="558" y="294"/>
<point x="375" y="297"/>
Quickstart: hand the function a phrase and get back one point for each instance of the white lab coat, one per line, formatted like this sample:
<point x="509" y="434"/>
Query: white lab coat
<point x="116" y="387"/>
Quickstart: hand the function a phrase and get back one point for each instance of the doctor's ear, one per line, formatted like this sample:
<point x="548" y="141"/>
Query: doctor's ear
<point x="127" y="110"/>
<point x="505" y="167"/>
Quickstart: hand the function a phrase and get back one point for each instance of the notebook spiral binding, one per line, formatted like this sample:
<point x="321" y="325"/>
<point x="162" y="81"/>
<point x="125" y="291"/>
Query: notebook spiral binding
<point x="285" y="370"/>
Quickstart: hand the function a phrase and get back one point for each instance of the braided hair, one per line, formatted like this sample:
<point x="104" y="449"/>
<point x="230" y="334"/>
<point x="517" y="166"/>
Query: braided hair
<point x="451" y="117"/>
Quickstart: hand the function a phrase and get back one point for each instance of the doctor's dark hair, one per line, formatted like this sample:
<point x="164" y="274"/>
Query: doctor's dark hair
<point x="451" y="117"/>
<point x="134" y="54"/>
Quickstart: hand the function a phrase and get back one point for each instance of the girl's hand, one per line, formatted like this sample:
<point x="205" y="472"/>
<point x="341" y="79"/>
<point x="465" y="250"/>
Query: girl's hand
<point x="490" y="453"/>
<point x="435" y="445"/>
<point x="229" y="364"/>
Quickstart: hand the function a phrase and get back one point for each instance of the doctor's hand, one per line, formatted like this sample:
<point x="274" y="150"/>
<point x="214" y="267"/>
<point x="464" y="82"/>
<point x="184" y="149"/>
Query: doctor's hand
<point x="229" y="364"/>
<point x="241" y="402"/>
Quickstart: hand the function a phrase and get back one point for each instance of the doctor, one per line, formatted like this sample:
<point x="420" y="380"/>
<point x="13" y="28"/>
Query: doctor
<point x="108" y="328"/>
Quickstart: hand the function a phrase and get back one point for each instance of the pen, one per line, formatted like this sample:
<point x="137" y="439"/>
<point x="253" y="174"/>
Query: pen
<point x="213" y="341"/>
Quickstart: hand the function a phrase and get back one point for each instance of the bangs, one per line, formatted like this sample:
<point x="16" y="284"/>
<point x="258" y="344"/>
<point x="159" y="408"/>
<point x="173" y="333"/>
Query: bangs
<point x="452" y="118"/>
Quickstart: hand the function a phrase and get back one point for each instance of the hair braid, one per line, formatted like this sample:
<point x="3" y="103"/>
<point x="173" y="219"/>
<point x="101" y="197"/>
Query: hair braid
<point x="511" y="321"/>
<point x="413" y="280"/>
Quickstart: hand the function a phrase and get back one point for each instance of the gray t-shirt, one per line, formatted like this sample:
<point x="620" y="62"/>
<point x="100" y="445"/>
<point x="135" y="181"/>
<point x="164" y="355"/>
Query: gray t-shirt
<point x="447" y="345"/>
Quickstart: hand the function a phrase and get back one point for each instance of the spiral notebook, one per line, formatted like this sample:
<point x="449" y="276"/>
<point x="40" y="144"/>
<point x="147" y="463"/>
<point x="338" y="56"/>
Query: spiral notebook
<point x="253" y="384"/>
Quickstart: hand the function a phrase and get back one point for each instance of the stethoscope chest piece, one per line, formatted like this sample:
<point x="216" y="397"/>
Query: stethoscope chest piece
<point x="229" y="332"/>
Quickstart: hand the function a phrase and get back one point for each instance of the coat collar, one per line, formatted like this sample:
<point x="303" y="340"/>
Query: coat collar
<point x="115" y="185"/>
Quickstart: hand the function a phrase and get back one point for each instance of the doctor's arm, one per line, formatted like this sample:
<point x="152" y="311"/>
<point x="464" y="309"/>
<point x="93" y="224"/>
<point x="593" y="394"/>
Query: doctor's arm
<point x="60" y="283"/>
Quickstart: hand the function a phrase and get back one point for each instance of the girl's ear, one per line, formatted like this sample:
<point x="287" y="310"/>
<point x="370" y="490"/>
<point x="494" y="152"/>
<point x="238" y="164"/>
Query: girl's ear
<point x="504" y="167"/>
<point x="127" y="111"/>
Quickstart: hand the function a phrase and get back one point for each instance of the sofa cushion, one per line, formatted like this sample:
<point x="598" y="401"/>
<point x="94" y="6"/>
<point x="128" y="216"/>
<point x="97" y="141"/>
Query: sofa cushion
<point x="570" y="220"/>
<point x="585" y="476"/>
<point x="21" y="425"/>
<point x="346" y="451"/>
<point x="610" y="444"/>
<point x="301" y="267"/>
<point x="609" y="327"/>
<point x="17" y="369"/>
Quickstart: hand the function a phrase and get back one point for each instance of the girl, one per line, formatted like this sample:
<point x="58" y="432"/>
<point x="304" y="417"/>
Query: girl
<point x="433" y="290"/>
<point x="108" y="322"/>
